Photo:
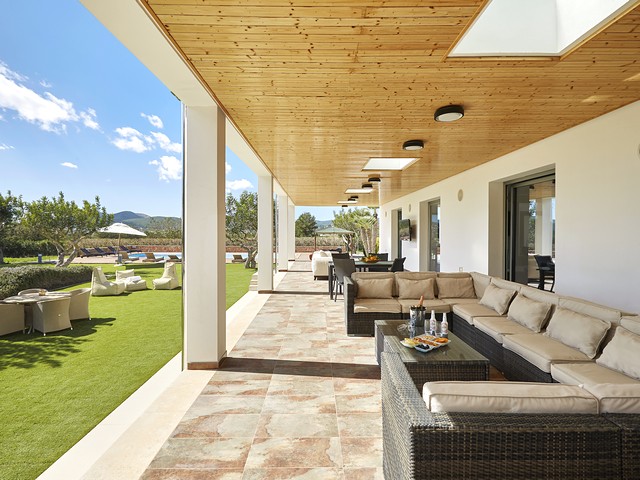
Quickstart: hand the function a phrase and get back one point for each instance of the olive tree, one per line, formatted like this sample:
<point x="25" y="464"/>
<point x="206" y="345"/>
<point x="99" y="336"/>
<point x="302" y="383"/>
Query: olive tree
<point x="364" y="223"/>
<point x="11" y="208"/>
<point x="242" y="224"/>
<point x="64" y="223"/>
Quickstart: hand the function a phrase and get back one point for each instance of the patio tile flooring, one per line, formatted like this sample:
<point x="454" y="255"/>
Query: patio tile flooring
<point x="296" y="399"/>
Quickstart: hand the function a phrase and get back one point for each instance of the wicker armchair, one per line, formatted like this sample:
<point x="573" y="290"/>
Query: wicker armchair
<point x="419" y="444"/>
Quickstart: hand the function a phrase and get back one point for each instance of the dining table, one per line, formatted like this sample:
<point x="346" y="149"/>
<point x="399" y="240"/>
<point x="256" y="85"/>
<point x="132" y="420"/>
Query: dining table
<point x="29" y="299"/>
<point x="361" y="266"/>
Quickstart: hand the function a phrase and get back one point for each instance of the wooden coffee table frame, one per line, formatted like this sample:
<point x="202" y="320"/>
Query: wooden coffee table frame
<point x="456" y="361"/>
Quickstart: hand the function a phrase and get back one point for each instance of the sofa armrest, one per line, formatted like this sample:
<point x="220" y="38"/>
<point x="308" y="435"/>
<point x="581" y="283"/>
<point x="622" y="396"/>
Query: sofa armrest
<point x="420" y="444"/>
<point x="349" y="297"/>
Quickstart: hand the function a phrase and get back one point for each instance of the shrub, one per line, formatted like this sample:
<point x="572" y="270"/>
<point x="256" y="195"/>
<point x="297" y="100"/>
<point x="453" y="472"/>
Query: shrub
<point x="15" y="279"/>
<point x="17" y="248"/>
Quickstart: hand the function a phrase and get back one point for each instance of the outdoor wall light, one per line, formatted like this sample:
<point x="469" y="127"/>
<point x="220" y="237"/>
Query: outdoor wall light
<point x="450" y="113"/>
<point x="413" y="145"/>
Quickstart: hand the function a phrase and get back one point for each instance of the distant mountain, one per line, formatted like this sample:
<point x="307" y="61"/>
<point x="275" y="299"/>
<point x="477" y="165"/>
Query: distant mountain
<point x="323" y="223"/>
<point x="142" y="221"/>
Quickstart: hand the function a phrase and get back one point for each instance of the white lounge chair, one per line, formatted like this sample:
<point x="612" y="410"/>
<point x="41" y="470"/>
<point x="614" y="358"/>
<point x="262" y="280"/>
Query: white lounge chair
<point x="100" y="286"/>
<point x="52" y="315"/>
<point x="132" y="281"/>
<point x="169" y="279"/>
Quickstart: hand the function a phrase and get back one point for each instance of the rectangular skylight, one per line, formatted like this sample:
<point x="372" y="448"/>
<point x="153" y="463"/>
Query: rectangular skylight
<point x="536" y="27"/>
<point x="358" y="190"/>
<point x="389" y="163"/>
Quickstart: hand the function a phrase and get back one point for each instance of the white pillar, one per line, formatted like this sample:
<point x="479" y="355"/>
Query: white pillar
<point x="265" y="234"/>
<point x="547" y="226"/>
<point x="292" y="231"/>
<point x="204" y="284"/>
<point x="283" y="233"/>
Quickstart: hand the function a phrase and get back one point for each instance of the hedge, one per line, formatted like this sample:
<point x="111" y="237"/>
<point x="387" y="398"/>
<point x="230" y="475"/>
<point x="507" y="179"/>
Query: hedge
<point x="17" y="248"/>
<point x="15" y="279"/>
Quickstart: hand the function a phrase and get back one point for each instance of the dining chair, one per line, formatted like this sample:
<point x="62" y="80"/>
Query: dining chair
<point x="52" y="315"/>
<point x="547" y="269"/>
<point x="342" y="267"/>
<point x="12" y="318"/>
<point x="79" y="304"/>
<point x="398" y="264"/>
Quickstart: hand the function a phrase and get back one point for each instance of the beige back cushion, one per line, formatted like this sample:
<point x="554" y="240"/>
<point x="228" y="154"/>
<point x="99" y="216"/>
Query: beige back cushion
<point x="529" y="313"/>
<point x="375" y="288"/>
<point x="497" y="298"/>
<point x="578" y="331"/>
<point x="356" y="276"/>
<point x="412" y="289"/>
<point x="622" y="353"/>
<point x="507" y="397"/>
<point x="607" y="314"/>
<point x="480" y="282"/>
<point x="505" y="284"/>
<point x="540" y="295"/>
<point x="631" y="323"/>
<point x="455" y="287"/>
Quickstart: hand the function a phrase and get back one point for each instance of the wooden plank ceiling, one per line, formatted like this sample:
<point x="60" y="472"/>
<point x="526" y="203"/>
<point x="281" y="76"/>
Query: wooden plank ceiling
<point x="318" y="87"/>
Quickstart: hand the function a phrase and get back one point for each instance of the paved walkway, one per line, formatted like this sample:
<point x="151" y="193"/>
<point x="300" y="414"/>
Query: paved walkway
<point x="296" y="399"/>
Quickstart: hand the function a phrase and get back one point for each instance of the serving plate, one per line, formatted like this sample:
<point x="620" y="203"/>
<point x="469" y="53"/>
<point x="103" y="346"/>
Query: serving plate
<point x="425" y="343"/>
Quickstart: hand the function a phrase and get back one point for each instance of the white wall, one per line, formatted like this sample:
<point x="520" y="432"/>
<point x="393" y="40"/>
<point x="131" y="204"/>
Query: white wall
<point x="597" y="210"/>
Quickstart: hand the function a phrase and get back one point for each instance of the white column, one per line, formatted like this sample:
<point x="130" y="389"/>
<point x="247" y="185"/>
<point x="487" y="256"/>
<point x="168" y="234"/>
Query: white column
<point x="292" y="231"/>
<point x="547" y="226"/>
<point x="283" y="233"/>
<point x="204" y="284"/>
<point x="265" y="234"/>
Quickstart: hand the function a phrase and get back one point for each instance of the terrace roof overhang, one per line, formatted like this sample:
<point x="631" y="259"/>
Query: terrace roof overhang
<point x="317" y="90"/>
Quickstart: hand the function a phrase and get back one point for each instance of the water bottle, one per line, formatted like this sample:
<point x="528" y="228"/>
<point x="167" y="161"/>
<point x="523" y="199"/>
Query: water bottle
<point x="433" y="325"/>
<point x="444" y="327"/>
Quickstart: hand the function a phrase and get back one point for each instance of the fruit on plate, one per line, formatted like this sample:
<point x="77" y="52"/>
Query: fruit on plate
<point x="370" y="259"/>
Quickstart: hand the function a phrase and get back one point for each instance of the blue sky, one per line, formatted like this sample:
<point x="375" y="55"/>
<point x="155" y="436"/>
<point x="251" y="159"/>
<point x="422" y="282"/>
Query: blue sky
<point x="80" y="114"/>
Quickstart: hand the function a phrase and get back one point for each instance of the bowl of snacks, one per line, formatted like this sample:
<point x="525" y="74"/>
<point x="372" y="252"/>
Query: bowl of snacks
<point x="370" y="259"/>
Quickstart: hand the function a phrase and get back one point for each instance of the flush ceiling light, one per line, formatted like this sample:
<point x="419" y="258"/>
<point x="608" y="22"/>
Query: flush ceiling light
<point x="413" y="145"/>
<point x="354" y="198"/>
<point x="343" y="202"/>
<point x="450" y="113"/>
<point x="366" y="188"/>
<point x="389" y="163"/>
<point x="374" y="179"/>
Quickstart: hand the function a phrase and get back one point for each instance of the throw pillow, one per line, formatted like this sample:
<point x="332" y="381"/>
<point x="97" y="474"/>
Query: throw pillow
<point x="451" y="287"/>
<point x="621" y="353"/>
<point x="497" y="298"/>
<point x="410" y="289"/>
<point x="579" y="331"/>
<point x="529" y="313"/>
<point x="375" y="288"/>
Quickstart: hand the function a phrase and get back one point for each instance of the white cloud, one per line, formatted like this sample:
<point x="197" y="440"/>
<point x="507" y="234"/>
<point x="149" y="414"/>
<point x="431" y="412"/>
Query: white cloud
<point x="89" y="119"/>
<point x="242" y="184"/>
<point x="154" y="120"/>
<point x="69" y="165"/>
<point x="4" y="146"/>
<point x="47" y="111"/>
<point x="131" y="139"/>
<point x="167" y="145"/>
<point x="169" y="168"/>
<point x="45" y="84"/>
<point x="227" y="167"/>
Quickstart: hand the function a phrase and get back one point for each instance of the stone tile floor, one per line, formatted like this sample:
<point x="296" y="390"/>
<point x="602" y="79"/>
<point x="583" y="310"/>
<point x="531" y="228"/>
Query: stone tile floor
<point x="296" y="399"/>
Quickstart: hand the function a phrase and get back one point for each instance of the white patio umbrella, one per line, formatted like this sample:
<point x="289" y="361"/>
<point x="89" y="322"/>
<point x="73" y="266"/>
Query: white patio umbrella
<point x="121" y="229"/>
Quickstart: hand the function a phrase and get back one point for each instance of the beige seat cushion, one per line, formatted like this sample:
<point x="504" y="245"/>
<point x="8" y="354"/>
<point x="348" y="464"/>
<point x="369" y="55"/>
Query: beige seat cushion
<point x="622" y="353"/>
<point x="452" y="287"/>
<point x="409" y="288"/>
<point x="437" y="306"/>
<point x="541" y="351"/>
<point x="587" y="372"/>
<point x="468" y="311"/>
<point x="507" y="397"/>
<point x="497" y="298"/>
<point x="616" y="398"/>
<point x="529" y="313"/>
<point x="497" y="327"/>
<point x="375" y="288"/>
<point x="576" y="330"/>
<point x="373" y="305"/>
<point x="456" y="301"/>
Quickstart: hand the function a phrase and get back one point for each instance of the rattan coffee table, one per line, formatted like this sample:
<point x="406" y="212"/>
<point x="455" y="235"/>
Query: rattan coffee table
<point x="453" y="362"/>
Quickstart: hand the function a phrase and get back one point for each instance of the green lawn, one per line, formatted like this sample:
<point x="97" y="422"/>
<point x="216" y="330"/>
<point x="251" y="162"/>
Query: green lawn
<point x="56" y="388"/>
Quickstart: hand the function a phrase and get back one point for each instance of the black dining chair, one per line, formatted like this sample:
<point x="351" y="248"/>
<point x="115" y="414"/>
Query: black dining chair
<point x="383" y="257"/>
<point x="547" y="269"/>
<point x="398" y="264"/>
<point x="342" y="267"/>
